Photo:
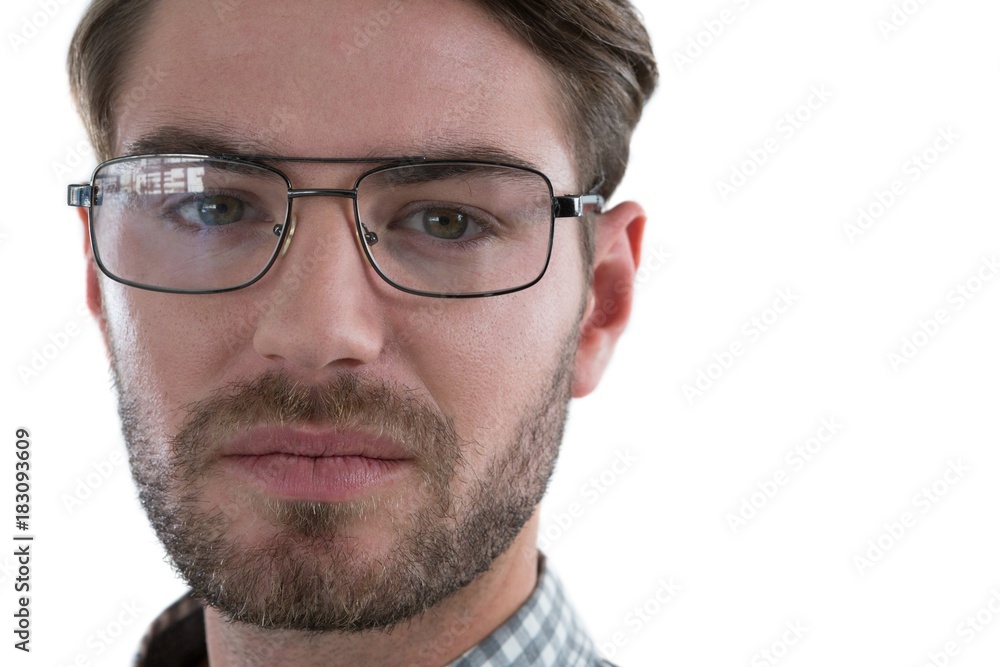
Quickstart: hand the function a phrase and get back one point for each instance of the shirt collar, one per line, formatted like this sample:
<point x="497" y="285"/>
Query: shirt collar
<point x="544" y="632"/>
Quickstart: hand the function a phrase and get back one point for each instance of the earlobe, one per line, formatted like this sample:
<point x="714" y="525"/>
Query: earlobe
<point x="617" y="249"/>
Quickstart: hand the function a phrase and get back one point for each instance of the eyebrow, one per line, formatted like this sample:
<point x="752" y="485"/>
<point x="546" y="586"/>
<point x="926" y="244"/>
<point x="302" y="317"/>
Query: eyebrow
<point x="209" y="141"/>
<point x="479" y="151"/>
<point x="420" y="174"/>
<point x="219" y="143"/>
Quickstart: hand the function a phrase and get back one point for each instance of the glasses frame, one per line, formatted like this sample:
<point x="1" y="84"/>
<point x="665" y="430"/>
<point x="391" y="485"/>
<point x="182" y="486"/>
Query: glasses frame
<point x="85" y="195"/>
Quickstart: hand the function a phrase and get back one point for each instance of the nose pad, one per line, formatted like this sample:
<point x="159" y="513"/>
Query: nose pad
<point x="371" y="238"/>
<point x="288" y="238"/>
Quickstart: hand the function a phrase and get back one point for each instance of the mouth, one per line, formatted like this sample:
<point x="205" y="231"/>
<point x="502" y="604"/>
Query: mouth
<point x="315" y="464"/>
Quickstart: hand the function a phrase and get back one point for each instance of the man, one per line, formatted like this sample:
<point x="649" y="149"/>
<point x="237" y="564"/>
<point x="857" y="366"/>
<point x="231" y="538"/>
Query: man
<point x="350" y="267"/>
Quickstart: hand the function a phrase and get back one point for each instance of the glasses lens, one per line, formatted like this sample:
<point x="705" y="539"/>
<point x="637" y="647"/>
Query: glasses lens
<point x="187" y="224"/>
<point x="457" y="228"/>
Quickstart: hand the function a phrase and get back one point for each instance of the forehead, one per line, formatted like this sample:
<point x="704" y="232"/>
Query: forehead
<point x="343" y="78"/>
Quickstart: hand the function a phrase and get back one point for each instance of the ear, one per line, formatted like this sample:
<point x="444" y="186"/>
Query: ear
<point x="93" y="285"/>
<point x="617" y="241"/>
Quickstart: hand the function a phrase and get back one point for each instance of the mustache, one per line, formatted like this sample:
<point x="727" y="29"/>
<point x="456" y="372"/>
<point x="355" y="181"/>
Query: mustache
<point x="345" y="402"/>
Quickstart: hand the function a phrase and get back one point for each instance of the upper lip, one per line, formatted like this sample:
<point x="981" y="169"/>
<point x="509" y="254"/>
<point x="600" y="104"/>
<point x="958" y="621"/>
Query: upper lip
<point x="315" y="442"/>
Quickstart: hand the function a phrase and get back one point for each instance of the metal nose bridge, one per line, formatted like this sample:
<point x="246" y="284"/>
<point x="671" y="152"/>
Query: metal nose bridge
<point x="322" y="192"/>
<point x="370" y="238"/>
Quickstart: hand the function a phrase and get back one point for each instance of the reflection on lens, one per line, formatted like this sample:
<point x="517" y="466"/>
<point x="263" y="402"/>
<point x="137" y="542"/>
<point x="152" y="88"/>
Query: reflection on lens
<point x="187" y="224"/>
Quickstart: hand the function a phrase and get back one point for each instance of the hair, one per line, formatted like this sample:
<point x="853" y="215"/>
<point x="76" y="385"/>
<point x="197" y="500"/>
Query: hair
<point x="601" y="55"/>
<point x="599" y="51"/>
<point x="99" y="55"/>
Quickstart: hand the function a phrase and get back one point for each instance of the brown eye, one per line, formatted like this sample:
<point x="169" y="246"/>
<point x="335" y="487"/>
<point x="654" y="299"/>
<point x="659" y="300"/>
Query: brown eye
<point x="445" y="224"/>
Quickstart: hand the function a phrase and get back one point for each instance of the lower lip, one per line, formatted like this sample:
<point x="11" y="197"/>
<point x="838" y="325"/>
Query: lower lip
<point x="320" y="479"/>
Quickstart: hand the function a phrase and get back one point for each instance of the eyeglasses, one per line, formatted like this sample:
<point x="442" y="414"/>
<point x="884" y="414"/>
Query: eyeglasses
<point x="196" y="224"/>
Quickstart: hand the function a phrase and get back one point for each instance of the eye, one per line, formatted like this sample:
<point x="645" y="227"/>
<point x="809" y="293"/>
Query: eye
<point x="442" y="223"/>
<point x="213" y="210"/>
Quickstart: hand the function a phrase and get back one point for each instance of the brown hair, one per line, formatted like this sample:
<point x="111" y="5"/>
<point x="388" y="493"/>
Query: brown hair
<point x="602" y="56"/>
<point x="599" y="50"/>
<point x="98" y="61"/>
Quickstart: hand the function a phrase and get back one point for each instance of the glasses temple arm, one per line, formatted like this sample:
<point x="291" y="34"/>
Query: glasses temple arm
<point x="573" y="206"/>
<point x="79" y="195"/>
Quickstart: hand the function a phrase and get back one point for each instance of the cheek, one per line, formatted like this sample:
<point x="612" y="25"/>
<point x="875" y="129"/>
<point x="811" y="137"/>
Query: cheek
<point x="169" y="349"/>
<point x="486" y="361"/>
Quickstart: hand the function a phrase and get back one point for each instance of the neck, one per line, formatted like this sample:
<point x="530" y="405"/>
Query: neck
<point x="435" y="638"/>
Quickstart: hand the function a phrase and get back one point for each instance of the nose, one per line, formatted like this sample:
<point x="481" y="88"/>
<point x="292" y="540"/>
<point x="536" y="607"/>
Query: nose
<point x="324" y="307"/>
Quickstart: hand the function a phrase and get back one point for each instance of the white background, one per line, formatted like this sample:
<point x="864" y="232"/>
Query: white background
<point x="662" y="517"/>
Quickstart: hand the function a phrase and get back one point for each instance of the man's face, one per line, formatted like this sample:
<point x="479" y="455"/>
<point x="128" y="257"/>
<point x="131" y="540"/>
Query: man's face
<point x="233" y="403"/>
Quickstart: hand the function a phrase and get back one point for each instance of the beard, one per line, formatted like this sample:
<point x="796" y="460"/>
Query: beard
<point x="310" y="572"/>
